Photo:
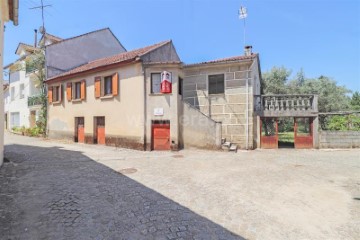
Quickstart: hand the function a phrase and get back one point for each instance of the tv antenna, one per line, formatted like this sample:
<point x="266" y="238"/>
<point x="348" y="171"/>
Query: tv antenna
<point x="243" y="15"/>
<point x="42" y="7"/>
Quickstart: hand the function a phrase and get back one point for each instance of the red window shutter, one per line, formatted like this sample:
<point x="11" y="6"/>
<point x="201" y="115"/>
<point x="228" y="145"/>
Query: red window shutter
<point x="50" y="94"/>
<point x="69" y="91"/>
<point x="83" y="89"/>
<point x="115" y="84"/>
<point x="97" y="86"/>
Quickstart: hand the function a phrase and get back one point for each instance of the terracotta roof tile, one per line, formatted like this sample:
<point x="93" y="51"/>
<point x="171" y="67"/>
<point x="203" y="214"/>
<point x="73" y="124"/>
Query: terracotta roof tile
<point x="118" y="58"/>
<point x="224" y="60"/>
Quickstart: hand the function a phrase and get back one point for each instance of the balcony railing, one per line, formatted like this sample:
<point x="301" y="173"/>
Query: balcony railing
<point x="34" y="101"/>
<point x="286" y="105"/>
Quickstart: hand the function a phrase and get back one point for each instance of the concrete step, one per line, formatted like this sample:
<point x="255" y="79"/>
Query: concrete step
<point x="226" y="146"/>
<point x="233" y="147"/>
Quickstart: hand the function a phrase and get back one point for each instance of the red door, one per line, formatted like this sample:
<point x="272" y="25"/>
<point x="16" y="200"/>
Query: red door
<point x="161" y="136"/>
<point x="81" y="135"/>
<point x="269" y="133"/>
<point x="100" y="130"/>
<point x="303" y="133"/>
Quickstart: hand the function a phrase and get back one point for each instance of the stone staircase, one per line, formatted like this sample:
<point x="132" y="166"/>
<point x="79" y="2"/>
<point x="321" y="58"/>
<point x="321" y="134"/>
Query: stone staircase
<point x="228" y="146"/>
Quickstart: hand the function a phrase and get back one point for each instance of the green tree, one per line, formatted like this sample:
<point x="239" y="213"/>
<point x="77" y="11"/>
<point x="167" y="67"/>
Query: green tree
<point x="331" y="96"/>
<point x="355" y="101"/>
<point x="35" y="64"/>
<point x="274" y="82"/>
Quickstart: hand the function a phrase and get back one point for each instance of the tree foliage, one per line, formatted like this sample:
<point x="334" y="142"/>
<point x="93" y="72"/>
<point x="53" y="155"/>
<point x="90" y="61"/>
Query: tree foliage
<point x="274" y="82"/>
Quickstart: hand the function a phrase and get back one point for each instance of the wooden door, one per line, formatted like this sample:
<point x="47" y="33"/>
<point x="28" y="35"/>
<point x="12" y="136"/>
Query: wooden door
<point x="80" y="130"/>
<point x="161" y="136"/>
<point x="100" y="130"/>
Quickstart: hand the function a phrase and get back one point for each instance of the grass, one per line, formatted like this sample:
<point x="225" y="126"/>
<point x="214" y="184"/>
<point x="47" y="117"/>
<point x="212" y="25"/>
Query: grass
<point x="286" y="137"/>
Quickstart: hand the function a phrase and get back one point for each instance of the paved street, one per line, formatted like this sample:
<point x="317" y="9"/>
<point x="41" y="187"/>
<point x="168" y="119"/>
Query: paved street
<point x="57" y="190"/>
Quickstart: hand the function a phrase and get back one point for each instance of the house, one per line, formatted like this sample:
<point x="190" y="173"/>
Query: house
<point x="9" y="11"/>
<point x="22" y="98"/>
<point x="117" y="101"/>
<point x="225" y="91"/>
<point x="122" y="101"/>
<point x="76" y="51"/>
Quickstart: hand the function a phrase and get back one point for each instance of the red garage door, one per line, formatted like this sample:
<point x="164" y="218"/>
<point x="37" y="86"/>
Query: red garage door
<point x="161" y="136"/>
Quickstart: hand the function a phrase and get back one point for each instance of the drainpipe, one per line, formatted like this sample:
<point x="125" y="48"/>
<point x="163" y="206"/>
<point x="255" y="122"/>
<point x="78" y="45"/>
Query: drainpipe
<point x="247" y="111"/>
<point x="145" y="107"/>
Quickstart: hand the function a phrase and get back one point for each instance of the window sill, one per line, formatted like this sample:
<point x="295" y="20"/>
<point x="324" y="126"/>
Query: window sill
<point x="160" y="94"/>
<point x="76" y="100"/>
<point x="107" y="97"/>
<point x="216" y="94"/>
<point x="56" y="103"/>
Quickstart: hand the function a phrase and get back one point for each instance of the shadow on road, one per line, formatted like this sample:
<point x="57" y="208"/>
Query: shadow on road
<point x="53" y="193"/>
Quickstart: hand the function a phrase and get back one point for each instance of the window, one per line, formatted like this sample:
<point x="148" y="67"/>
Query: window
<point x="216" y="84"/>
<point x="180" y="85"/>
<point x="108" y="85"/>
<point x="155" y="82"/>
<point x="56" y="94"/>
<point x="77" y="90"/>
<point x="22" y="90"/>
<point x="12" y="93"/>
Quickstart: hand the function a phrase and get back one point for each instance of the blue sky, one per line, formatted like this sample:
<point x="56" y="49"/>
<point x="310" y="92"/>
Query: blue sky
<point x="320" y="36"/>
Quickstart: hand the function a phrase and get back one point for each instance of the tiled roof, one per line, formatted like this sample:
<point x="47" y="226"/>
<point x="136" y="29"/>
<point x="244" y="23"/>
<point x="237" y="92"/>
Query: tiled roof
<point x="118" y="58"/>
<point x="30" y="47"/>
<point x="224" y="60"/>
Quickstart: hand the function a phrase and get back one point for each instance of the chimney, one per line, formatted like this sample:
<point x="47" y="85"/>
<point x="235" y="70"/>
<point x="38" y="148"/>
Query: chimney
<point x="35" y="43"/>
<point x="248" y="50"/>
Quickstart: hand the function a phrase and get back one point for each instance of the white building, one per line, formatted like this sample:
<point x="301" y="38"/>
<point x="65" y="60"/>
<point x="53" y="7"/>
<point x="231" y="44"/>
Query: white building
<point x="22" y="96"/>
<point x="9" y="10"/>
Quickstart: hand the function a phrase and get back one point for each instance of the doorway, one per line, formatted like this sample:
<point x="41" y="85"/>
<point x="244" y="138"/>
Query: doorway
<point x="286" y="132"/>
<point x="79" y="130"/>
<point x="32" y="119"/>
<point x="99" y="130"/>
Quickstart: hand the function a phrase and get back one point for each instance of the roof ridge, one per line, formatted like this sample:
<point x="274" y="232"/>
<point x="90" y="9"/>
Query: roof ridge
<point x="225" y="59"/>
<point x="81" y="35"/>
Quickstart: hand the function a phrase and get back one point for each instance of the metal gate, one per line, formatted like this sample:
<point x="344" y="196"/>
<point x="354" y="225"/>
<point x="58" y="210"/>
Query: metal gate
<point x="303" y="133"/>
<point x="269" y="133"/>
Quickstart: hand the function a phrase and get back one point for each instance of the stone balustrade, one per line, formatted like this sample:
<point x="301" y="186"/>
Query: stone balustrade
<point x="286" y="105"/>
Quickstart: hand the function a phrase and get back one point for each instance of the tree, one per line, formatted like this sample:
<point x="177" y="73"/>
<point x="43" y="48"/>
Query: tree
<point x="274" y="82"/>
<point x="355" y="101"/>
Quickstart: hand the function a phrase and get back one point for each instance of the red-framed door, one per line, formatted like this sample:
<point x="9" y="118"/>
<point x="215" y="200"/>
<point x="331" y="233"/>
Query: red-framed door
<point x="160" y="136"/>
<point x="303" y="133"/>
<point x="269" y="133"/>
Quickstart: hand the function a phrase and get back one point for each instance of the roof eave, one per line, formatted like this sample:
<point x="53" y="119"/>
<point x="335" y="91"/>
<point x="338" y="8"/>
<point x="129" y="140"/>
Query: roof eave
<point x="92" y="70"/>
<point x="217" y="63"/>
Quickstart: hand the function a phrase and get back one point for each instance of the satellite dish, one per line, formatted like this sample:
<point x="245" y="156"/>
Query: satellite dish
<point x="42" y="30"/>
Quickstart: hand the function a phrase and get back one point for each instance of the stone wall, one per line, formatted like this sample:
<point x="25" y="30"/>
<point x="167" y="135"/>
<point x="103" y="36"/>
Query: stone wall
<point x="228" y="108"/>
<point x="339" y="139"/>
<point x="197" y="130"/>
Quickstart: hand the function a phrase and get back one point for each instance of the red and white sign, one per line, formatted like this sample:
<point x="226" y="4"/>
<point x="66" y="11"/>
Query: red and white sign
<point x="166" y="85"/>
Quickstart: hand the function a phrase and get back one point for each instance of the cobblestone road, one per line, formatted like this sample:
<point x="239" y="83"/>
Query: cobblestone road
<point x="53" y="193"/>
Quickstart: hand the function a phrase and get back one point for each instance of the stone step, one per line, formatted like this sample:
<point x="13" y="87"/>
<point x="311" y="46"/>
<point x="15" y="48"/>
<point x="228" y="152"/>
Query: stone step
<point x="233" y="147"/>
<point x="227" y="144"/>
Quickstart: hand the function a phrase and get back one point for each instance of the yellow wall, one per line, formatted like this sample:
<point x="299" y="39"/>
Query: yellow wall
<point x="124" y="114"/>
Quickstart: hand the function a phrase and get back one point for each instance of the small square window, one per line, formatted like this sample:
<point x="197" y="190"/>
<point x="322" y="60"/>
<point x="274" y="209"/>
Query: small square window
<point x="216" y="84"/>
<point x="155" y="83"/>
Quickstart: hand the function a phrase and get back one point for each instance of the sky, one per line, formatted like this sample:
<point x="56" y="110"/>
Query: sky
<point x="320" y="36"/>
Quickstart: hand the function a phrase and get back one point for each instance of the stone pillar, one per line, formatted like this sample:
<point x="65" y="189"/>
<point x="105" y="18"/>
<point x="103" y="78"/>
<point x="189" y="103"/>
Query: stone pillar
<point x="218" y="134"/>
<point x="316" y="132"/>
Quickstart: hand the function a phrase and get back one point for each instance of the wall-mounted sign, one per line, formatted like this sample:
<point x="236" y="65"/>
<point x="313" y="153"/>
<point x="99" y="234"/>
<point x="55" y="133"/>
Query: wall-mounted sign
<point x="166" y="85"/>
<point x="158" y="112"/>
